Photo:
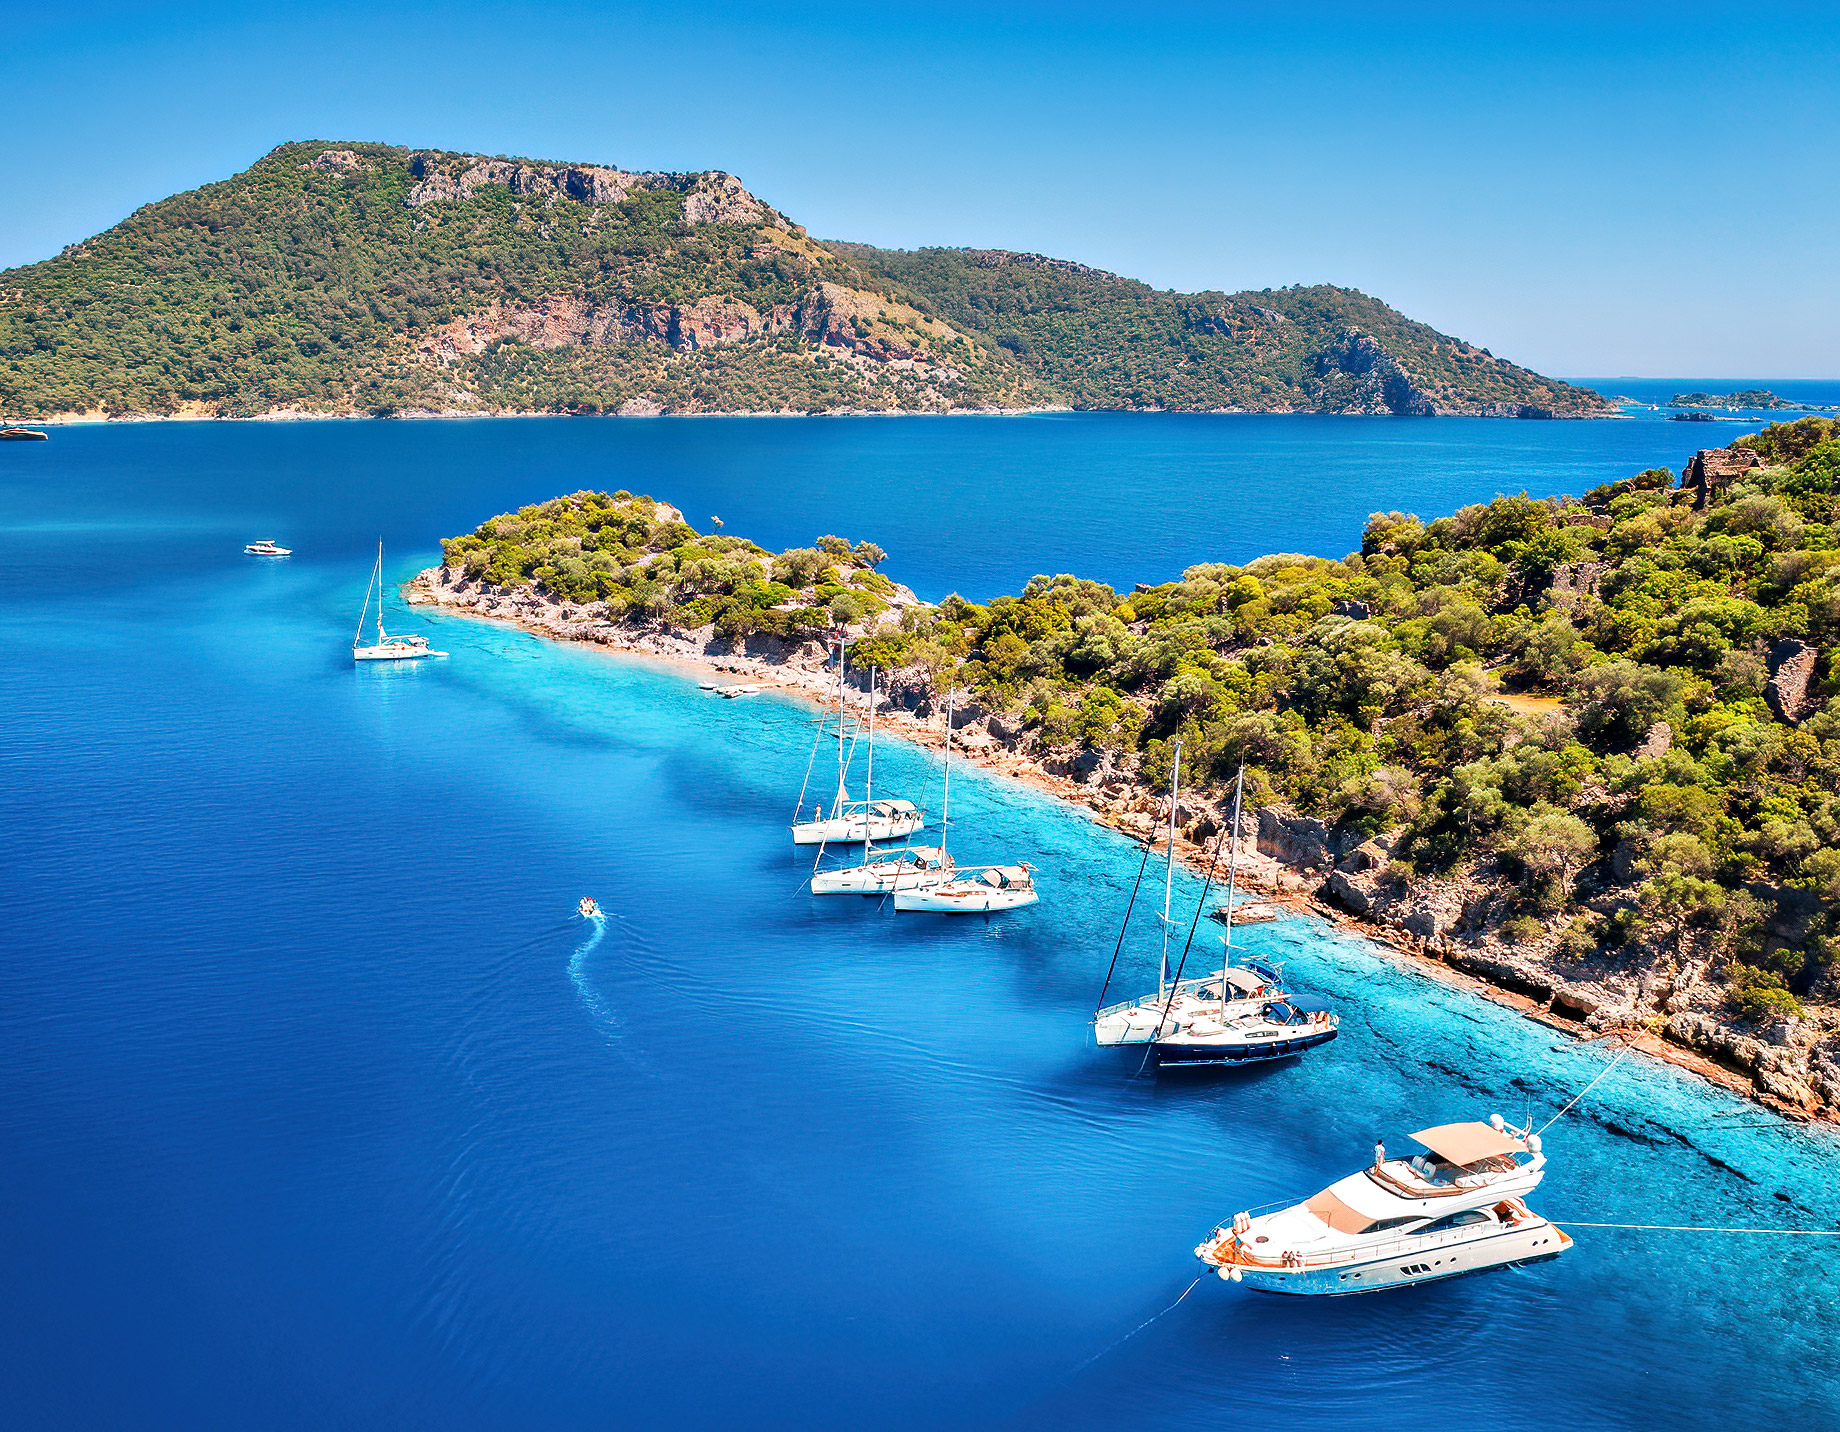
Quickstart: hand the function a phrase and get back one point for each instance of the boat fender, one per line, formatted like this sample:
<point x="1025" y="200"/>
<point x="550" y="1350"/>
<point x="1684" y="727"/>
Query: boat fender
<point x="1232" y="1273"/>
<point x="1497" y="1123"/>
<point x="1242" y="1222"/>
<point x="1533" y="1143"/>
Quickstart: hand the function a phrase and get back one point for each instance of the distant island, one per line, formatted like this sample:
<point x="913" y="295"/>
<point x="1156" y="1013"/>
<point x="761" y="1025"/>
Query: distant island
<point x="1751" y="400"/>
<point x="1584" y="749"/>
<point x="338" y="279"/>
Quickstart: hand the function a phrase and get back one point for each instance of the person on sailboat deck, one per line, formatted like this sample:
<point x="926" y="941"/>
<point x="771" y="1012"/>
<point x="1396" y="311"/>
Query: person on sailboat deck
<point x="1379" y="1152"/>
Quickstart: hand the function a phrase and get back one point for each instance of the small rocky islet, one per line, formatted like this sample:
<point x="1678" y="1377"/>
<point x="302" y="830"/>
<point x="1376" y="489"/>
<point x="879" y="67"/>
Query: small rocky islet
<point x="1584" y="749"/>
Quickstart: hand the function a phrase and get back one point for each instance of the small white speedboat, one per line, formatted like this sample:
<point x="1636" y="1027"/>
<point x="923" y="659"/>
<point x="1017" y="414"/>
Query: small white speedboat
<point x="589" y="908"/>
<point x="904" y="869"/>
<point x="973" y="890"/>
<point x="267" y="548"/>
<point x="1458" y="1209"/>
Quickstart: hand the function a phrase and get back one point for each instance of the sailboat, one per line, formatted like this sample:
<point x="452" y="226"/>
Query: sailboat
<point x="385" y="648"/>
<point x="1239" y="1014"/>
<point x="898" y="870"/>
<point x="970" y="889"/>
<point x="849" y="820"/>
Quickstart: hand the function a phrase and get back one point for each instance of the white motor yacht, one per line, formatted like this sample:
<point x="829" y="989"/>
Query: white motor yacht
<point x="386" y="647"/>
<point x="266" y="548"/>
<point x="1456" y="1209"/>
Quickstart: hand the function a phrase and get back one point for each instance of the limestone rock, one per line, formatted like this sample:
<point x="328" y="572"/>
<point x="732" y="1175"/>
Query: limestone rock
<point x="1293" y="839"/>
<point x="1350" y="894"/>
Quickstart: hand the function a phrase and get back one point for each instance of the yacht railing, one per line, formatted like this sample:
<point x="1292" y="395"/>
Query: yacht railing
<point x="1367" y="1253"/>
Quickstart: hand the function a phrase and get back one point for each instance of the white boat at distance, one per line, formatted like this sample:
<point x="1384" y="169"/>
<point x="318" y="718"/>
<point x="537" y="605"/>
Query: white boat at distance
<point x="386" y="647"/>
<point x="851" y="821"/>
<point x="966" y="889"/>
<point x="1239" y="1014"/>
<point x="1459" y="1210"/>
<point x="267" y="548"/>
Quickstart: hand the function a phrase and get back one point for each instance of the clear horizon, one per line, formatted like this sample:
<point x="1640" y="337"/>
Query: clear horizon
<point x="1636" y="190"/>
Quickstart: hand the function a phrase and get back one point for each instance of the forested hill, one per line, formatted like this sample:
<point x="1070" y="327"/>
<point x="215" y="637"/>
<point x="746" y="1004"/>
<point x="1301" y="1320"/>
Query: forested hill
<point x="1111" y="342"/>
<point x="352" y="278"/>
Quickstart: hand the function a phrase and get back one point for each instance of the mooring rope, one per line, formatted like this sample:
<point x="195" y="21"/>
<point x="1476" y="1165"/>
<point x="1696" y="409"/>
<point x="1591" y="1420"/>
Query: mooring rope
<point x="1696" y="1228"/>
<point x="1119" y="1342"/>
<point x="1627" y="1050"/>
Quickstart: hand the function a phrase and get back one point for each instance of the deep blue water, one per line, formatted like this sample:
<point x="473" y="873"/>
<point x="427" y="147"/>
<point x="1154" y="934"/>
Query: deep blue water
<point x="319" y="1109"/>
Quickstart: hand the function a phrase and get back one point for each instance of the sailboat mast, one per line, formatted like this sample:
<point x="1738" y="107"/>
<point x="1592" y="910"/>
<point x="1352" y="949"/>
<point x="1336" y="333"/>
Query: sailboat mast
<point x="945" y="800"/>
<point x="837" y="805"/>
<point x="869" y="775"/>
<point x="1169" y="869"/>
<point x="357" y="637"/>
<point x="379" y="580"/>
<point x="1226" y="941"/>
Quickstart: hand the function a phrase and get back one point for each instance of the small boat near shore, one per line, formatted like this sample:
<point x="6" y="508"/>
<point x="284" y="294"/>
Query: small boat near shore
<point x="1239" y="1014"/>
<point x="386" y="647"/>
<point x="1459" y="1208"/>
<point x="851" y="821"/>
<point x="22" y="435"/>
<point x="266" y="547"/>
<point x="970" y="889"/>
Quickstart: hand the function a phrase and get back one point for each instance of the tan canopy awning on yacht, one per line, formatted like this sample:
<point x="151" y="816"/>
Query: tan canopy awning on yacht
<point x="1338" y="1215"/>
<point x="1468" y="1143"/>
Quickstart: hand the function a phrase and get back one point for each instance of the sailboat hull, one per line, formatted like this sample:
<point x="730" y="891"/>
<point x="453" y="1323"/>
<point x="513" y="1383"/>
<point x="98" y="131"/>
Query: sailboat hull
<point x="847" y="831"/>
<point x="1175" y="1053"/>
<point x="957" y="899"/>
<point x="391" y="652"/>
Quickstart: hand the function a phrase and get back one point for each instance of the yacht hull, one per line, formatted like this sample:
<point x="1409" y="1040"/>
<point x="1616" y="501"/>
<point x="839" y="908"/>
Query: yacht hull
<point x="1171" y="1054"/>
<point x="1502" y="1248"/>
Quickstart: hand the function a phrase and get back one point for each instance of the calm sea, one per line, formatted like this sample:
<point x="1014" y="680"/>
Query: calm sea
<point x="319" y="1108"/>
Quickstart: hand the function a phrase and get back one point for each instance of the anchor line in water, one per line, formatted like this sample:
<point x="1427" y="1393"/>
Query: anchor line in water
<point x="1119" y="1342"/>
<point x="1142" y="865"/>
<point x="1697" y="1228"/>
<point x="1626" y="1051"/>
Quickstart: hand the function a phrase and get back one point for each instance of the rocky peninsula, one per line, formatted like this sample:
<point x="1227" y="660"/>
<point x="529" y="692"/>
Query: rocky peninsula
<point x="1578" y="753"/>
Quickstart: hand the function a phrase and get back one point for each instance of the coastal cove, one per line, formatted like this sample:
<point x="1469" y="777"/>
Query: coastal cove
<point x="322" y="1108"/>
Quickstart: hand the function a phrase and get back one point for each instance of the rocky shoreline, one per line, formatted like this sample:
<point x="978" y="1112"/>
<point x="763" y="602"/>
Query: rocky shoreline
<point x="1793" y="1067"/>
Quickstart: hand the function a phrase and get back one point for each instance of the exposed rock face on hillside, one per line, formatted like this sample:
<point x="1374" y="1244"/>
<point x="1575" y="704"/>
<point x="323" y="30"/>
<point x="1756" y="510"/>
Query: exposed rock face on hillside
<point x="349" y="278"/>
<point x="711" y="198"/>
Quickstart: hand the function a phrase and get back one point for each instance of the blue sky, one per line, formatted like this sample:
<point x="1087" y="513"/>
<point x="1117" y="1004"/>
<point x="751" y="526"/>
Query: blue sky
<point x="1588" y="189"/>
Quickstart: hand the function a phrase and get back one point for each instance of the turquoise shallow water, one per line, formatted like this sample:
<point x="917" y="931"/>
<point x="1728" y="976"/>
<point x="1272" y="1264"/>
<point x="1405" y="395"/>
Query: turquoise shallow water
<point x="320" y="1108"/>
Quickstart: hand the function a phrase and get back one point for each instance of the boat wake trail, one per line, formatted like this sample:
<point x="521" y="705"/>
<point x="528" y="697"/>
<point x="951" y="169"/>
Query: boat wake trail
<point x="607" y="1019"/>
